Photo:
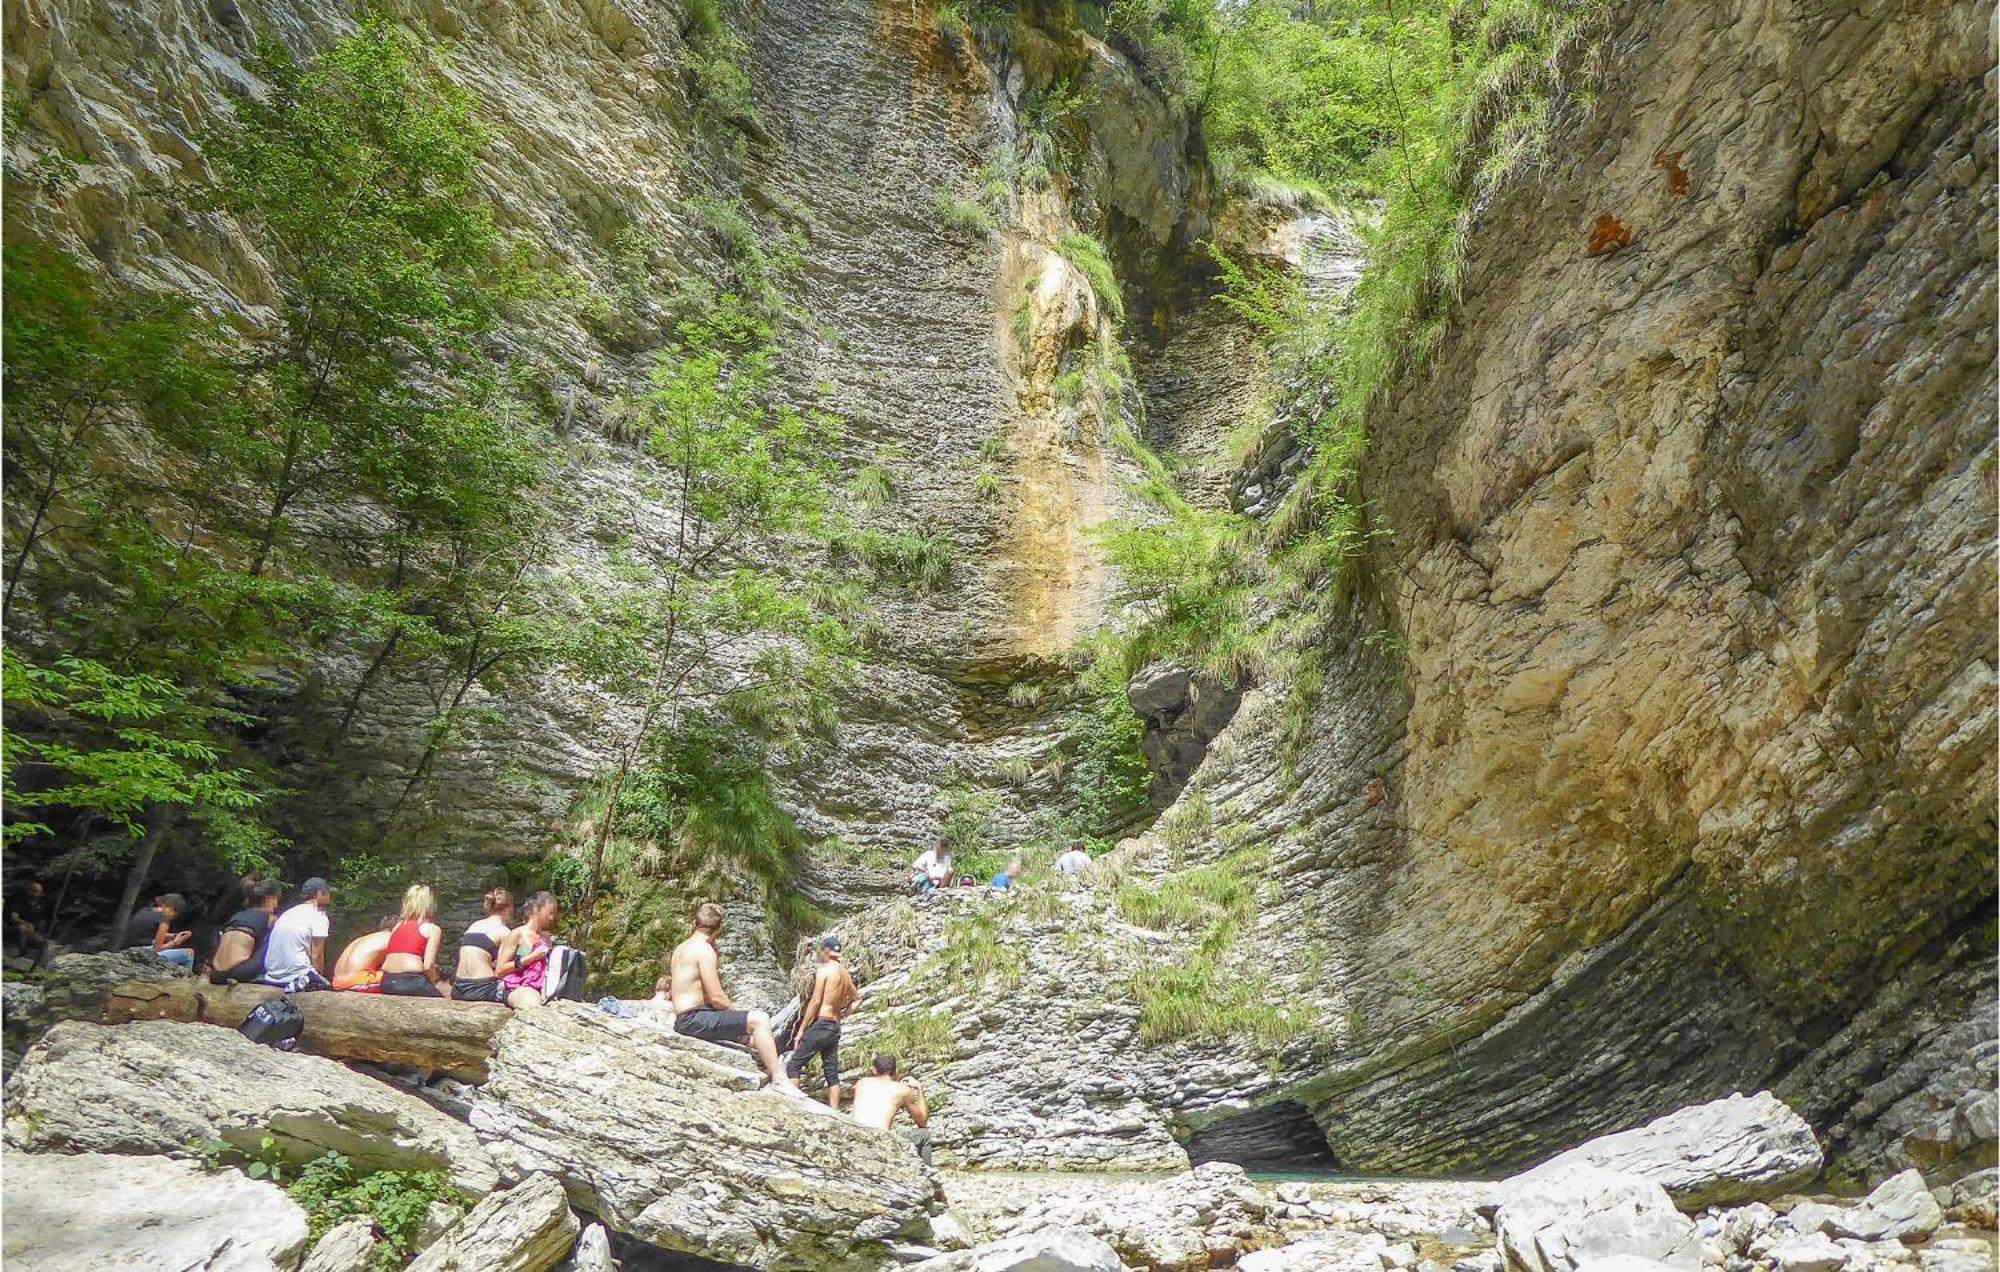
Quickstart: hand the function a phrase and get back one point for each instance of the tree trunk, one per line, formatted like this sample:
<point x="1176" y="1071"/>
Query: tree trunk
<point x="416" y="1033"/>
<point x="135" y="878"/>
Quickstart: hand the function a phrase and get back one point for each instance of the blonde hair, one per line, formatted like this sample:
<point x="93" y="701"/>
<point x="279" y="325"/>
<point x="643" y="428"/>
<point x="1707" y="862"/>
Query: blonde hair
<point x="418" y="903"/>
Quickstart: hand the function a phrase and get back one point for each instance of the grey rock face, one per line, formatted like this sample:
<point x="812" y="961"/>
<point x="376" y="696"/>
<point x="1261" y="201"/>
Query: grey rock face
<point x="69" y="1211"/>
<point x="1062" y="1250"/>
<point x="527" y="1228"/>
<point x="1052" y="1073"/>
<point x="346" y="1247"/>
<point x="1670" y="610"/>
<point x="157" y="1086"/>
<point x="1741" y="1148"/>
<point x="1560" y="1221"/>
<point x="668" y="1140"/>
<point x="72" y="987"/>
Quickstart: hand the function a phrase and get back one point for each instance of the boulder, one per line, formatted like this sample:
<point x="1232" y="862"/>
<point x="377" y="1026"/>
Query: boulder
<point x="1901" y="1206"/>
<point x="1056" y="1250"/>
<point x="1334" y="1252"/>
<point x="157" y="1087"/>
<point x="1624" y="1263"/>
<point x="667" y="1139"/>
<point x="73" y="987"/>
<point x="592" y="1253"/>
<point x="69" y="1211"/>
<point x="1974" y="1200"/>
<point x="1806" y="1252"/>
<point x="527" y="1228"/>
<point x="347" y="1247"/>
<point x="1742" y="1148"/>
<point x="1556" y="1221"/>
<point x="1194" y="1220"/>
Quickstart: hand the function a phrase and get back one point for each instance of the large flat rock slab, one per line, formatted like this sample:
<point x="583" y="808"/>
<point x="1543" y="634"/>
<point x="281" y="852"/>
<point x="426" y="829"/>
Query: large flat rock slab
<point x="155" y="1087"/>
<point x="1726" y="1152"/>
<point x="669" y="1140"/>
<point x="65" y="1212"/>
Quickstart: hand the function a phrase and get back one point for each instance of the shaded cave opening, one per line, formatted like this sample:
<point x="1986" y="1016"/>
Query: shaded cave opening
<point x="1277" y="1137"/>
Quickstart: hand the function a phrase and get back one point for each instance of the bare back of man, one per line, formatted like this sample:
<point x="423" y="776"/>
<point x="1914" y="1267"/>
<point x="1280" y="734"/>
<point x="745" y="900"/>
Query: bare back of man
<point x="880" y="1095"/>
<point x="702" y="1009"/>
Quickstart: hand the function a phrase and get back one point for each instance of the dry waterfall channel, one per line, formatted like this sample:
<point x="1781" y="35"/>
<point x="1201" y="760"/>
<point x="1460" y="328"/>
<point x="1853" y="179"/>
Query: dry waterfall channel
<point x="1595" y="875"/>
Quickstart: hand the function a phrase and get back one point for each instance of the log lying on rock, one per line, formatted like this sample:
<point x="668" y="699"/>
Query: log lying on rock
<point x="418" y="1033"/>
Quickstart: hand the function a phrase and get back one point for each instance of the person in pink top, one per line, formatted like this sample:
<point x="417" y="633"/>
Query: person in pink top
<point x="524" y="953"/>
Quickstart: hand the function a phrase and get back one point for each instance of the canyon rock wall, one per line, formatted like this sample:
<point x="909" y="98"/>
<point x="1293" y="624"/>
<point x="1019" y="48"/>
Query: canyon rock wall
<point x="1665" y="740"/>
<point x="865" y="113"/>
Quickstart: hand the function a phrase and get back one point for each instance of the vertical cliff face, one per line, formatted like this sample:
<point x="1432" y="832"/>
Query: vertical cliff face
<point x="1656" y="758"/>
<point x="1686" y="746"/>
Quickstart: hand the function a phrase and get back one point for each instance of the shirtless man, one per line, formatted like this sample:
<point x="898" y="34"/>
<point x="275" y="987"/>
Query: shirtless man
<point x="833" y="993"/>
<point x="879" y="1096"/>
<point x="701" y="1008"/>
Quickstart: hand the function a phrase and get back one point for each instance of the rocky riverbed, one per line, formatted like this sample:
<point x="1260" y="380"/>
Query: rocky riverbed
<point x="595" y="1141"/>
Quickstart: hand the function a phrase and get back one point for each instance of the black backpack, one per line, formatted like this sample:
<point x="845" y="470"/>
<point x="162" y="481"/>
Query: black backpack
<point x="565" y="975"/>
<point x="275" y="1024"/>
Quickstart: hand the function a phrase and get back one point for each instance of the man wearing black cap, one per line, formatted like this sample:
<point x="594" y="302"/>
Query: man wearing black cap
<point x="295" y="952"/>
<point x="833" y="992"/>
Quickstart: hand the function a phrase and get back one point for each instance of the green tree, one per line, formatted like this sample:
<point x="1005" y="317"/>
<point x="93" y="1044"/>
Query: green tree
<point x="721" y="623"/>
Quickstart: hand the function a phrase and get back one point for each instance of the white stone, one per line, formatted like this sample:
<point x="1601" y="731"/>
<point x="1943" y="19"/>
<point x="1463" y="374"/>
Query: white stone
<point x="1807" y="1252"/>
<point x="1901" y="1206"/>
<point x="1400" y="1255"/>
<point x="1334" y="1252"/>
<point x="527" y="1228"/>
<point x="156" y="1086"/>
<point x="1742" y="1148"/>
<point x="346" y="1247"/>
<point x="1557" y="1221"/>
<point x="1052" y="1250"/>
<point x="592" y="1253"/>
<point x="77" y="1212"/>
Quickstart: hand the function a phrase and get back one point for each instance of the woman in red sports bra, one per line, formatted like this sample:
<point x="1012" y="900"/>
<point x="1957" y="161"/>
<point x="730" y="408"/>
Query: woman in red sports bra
<point x="410" y="966"/>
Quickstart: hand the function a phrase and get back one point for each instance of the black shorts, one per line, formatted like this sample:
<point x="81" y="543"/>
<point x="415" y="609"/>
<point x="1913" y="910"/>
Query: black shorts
<point x="710" y="1025"/>
<point x="409" y="985"/>
<point x="483" y="990"/>
<point x="821" y="1038"/>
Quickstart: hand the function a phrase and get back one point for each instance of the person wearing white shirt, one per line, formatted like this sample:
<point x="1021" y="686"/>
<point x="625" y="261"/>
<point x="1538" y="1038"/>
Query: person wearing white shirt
<point x="295" y="952"/>
<point x="932" y="870"/>
<point x="1075" y="861"/>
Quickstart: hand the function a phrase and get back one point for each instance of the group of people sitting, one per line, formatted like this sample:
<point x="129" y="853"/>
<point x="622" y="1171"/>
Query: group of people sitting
<point x="935" y="870"/>
<point x="499" y="960"/>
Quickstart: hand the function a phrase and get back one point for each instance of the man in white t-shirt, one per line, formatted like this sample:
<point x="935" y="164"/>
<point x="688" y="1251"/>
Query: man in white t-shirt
<point x="295" y="952"/>
<point x="1075" y="861"/>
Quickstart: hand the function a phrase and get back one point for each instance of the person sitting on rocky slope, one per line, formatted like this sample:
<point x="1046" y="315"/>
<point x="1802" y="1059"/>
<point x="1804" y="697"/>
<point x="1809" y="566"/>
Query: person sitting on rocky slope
<point x="523" y="962"/>
<point x="1005" y="879"/>
<point x="478" y="979"/>
<point x="932" y="870"/>
<point x="701" y="1008"/>
<point x="295" y="955"/>
<point x="833" y="993"/>
<point x="410" y="963"/>
<point x="152" y="928"/>
<point x="880" y="1095"/>
<point x="1074" y="861"/>
<point x="245" y="937"/>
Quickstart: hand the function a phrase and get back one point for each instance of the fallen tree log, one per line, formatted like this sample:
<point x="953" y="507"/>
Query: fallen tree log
<point x="417" y="1033"/>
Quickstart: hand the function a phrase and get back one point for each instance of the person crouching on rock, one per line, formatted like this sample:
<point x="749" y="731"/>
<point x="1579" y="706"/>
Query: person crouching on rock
<point x="880" y="1095"/>
<point x="833" y="992"/>
<point x="359" y="967"/>
<point x="295" y="955"/>
<point x="410" y="961"/>
<point x="523" y="962"/>
<point x="245" y="937"/>
<point x="478" y="979"/>
<point x="702" y="1010"/>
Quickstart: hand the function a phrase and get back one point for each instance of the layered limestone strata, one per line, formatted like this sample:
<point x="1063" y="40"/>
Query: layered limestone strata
<point x="1680" y="749"/>
<point x="865" y="114"/>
